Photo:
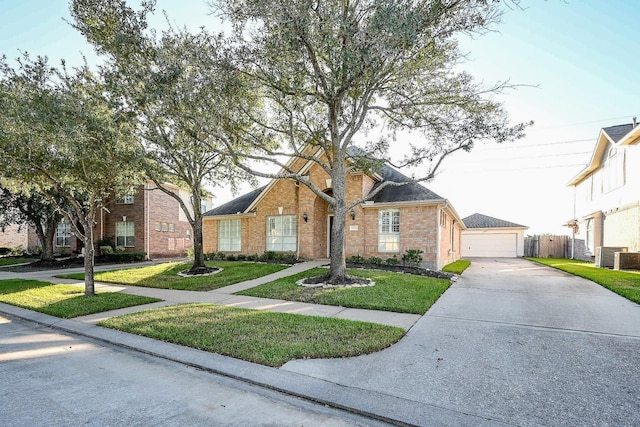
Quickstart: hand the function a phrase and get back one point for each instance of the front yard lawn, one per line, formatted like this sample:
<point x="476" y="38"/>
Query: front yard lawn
<point x="64" y="301"/>
<point x="401" y="293"/>
<point x="165" y="276"/>
<point x="624" y="283"/>
<point x="257" y="336"/>
<point x="457" y="267"/>
<point x="12" y="261"/>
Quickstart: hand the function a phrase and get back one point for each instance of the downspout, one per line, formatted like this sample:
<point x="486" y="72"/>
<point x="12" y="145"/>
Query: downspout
<point x="439" y="222"/>
<point x="573" y="228"/>
<point x="147" y="243"/>
<point x="297" y="184"/>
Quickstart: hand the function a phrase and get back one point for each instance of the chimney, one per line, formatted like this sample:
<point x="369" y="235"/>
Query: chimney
<point x="635" y="122"/>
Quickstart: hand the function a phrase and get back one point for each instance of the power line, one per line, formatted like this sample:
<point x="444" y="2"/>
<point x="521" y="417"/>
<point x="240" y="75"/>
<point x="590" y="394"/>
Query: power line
<point x="526" y="168"/>
<point x="506" y="147"/>
<point x="588" y="122"/>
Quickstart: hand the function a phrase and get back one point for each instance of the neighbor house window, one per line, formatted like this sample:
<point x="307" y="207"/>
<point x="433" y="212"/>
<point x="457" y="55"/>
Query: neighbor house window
<point x="126" y="200"/>
<point x="281" y="233"/>
<point x="613" y="170"/>
<point x="203" y="206"/>
<point x="389" y="230"/>
<point x="125" y="233"/>
<point x="229" y="233"/>
<point x="63" y="235"/>
<point x="590" y="236"/>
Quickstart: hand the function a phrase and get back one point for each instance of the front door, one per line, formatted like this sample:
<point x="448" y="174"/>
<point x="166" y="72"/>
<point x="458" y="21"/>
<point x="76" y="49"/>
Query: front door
<point x="329" y="231"/>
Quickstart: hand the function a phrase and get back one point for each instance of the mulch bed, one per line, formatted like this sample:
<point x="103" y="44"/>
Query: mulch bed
<point x="418" y="271"/>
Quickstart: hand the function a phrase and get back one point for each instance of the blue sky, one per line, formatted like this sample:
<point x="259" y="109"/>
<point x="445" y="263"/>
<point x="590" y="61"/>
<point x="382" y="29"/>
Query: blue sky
<point x="578" y="62"/>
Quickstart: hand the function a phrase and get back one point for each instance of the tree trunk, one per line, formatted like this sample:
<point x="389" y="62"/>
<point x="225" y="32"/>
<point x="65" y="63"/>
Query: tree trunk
<point x="198" y="248"/>
<point x="338" y="266"/>
<point x="89" y="253"/>
<point x="47" y="242"/>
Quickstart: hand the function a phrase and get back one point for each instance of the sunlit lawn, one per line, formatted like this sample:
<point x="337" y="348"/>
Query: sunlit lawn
<point x="457" y="267"/>
<point x="402" y="293"/>
<point x="64" y="301"/>
<point x="257" y="336"/>
<point x="165" y="276"/>
<point x="624" y="283"/>
<point x="12" y="261"/>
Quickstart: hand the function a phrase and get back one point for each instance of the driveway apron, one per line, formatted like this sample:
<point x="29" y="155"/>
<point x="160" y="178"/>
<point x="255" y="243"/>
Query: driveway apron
<point x="511" y="342"/>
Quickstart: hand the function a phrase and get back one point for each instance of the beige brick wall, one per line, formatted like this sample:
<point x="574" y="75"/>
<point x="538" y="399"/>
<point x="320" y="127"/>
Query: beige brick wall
<point x="449" y="252"/>
<point x="14" y="236"/>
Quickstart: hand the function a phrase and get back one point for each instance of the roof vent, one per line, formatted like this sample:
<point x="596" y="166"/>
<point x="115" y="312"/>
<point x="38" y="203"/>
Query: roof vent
<point x="635" y="122"/>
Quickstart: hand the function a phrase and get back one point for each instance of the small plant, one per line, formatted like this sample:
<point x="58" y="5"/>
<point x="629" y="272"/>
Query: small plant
<point x="120" y="249"/>
<point x="106" y="250"/>
<point x="392" y="261"/>
<point x="268" y="256"/>
<point x="221" y="255"/>
<point x="356" y="259"/>
<point x="374" y="260"/>
<point x="231" y="257"/>
<point x="254" y="257"/>
<point x="17" y="251"/>
<point x="191" y="253"/>
<point x="412" y="257"/>
<point x="241" y="257"/>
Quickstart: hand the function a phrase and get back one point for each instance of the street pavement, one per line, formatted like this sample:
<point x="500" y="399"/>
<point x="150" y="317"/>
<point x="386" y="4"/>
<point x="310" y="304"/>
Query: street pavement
<point x="510" y="343"/>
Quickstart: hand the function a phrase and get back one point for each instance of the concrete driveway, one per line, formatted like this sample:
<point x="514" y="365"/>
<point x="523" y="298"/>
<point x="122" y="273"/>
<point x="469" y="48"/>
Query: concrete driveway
<point x="511" y="342"/>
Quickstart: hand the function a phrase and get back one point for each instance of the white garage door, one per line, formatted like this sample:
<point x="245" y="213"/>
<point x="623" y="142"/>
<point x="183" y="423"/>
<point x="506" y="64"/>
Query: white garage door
<point x="494" y="245"/>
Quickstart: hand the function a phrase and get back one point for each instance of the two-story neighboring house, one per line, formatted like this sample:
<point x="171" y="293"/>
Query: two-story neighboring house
<point x="147" y="221"/>
<point x="607" y="191"/>
<point x="286" y="216"/>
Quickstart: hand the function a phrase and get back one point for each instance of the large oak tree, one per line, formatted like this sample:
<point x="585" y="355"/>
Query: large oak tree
<point x="343" y="73"/>
<point x="61" y="133"/>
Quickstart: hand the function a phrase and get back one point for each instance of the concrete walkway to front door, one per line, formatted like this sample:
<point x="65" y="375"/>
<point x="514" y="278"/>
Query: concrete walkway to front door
<point x="511" y="342"/>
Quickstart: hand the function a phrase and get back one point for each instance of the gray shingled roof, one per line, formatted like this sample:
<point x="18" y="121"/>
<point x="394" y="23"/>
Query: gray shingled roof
<point x="404" y="193"/>
<point x="617" y="132"/>
<point x="483" y="221"/>
<point x="236" y="205"/>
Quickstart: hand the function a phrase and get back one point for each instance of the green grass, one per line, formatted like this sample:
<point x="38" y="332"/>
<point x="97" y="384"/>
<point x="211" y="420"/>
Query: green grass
<point x="257" y="336"/>
<point x="64" y="301"/>
<point x="11" y="261"/>
<point x="401" y="293"/>
<point x="457" y="267"/>
<point x="165" y="276"/>
<point x="624" y="283"/>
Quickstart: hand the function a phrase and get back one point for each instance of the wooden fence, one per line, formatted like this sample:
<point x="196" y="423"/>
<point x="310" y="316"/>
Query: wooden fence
<point x="547" y="246"/>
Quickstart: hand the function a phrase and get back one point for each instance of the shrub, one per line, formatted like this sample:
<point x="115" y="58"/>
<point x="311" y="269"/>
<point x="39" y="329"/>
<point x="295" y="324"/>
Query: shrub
<point x="254" y="257"/>
<point x="17" y="251"/>
<point x="4" y="250"/>
<point x="210" y="256"/>
<point x="106" y="250"/>
<point x="288" y="258"/>
<point x="375" y="260"/>
<point x="392" y="261"/>
<point x="412" y="257"/>
<point x="231" y="257"/>
<point x="356" y="259"/>
<point x="268" y="256"/>
<point x="106" y="241"/>
<point x="220" y="255"/>
<point x="191" y="253"/>
<point x="120" y="249"/>
<point x="241" y="257"/>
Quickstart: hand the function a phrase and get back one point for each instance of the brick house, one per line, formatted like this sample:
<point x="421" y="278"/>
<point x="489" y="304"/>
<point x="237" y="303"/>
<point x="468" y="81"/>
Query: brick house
<point x="147" y="221"/>
<point x="285" y="216"/>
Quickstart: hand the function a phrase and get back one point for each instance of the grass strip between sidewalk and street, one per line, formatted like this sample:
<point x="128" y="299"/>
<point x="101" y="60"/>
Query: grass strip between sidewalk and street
<point x="624" y="283"/>
<point x="457" y="267"/>
<point x="65" y="301"/>
<point x="397" y="292"/>
<point x="165" y="276"/>
<point x="257" y="336"/>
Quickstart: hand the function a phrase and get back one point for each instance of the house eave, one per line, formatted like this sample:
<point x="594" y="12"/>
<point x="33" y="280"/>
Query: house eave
<point x="230" y="216"/>
<point x="632" y="137"/>
<point x="371" y="205"/>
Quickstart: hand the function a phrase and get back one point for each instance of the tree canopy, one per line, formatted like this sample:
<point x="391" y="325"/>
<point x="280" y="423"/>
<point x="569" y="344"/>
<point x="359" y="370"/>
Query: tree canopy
<point x="342" y="73"/>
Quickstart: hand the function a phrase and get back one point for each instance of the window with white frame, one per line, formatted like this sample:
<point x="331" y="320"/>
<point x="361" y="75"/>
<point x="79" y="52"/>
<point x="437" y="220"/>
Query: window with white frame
<point x="63" y="235"/>
<point x="281" y="233"/>
<point x="125" y="233"/>
<point x="389" y="230"/>
<point x="613" y="170"/>
<point x="229" y="235"/>
<point x="126" y="200"/>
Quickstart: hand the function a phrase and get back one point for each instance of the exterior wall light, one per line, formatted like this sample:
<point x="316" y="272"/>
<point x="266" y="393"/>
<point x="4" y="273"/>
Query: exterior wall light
<point x="353" y="215"/>
<point x="305" y="217"/>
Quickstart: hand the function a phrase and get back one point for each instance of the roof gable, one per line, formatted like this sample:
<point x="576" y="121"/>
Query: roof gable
<point x="625" y="134"/>
<point x="405" y="193"/>
<point x="484" y="221"/>
<point x="237" y="205"/>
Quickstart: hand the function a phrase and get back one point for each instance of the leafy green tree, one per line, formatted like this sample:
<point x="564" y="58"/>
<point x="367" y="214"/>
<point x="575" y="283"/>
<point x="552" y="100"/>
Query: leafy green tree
<point x="183" y="94"/>
<point x="339" y="74"/>
<point x="34" y="210"/>
<point x="61" y="133"/>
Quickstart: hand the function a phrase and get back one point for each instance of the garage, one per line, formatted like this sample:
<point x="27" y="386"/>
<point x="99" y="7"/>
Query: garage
<point x="491" y="237"/>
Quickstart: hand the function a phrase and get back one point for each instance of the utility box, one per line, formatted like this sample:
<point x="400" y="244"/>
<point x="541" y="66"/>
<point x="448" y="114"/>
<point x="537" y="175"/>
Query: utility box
<point x="626" y="261"/>
<point x="605" y="255"/>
